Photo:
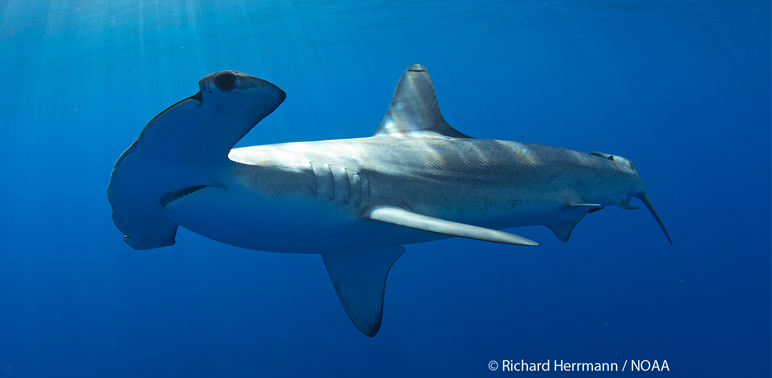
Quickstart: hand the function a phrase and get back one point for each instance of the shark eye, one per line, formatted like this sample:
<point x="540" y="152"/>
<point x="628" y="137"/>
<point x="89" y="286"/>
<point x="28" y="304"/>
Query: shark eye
<point x="611" y="157"/>
<point x="225" y="81"/>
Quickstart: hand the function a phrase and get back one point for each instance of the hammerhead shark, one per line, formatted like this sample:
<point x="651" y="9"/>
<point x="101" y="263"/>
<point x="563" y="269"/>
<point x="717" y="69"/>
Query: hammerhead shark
<point x="356" y="202"/>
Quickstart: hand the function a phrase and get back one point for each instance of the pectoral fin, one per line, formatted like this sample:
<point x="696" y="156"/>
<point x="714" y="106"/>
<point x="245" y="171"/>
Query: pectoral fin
<point x="360" y="282"/>
<point x="406" y="218"/>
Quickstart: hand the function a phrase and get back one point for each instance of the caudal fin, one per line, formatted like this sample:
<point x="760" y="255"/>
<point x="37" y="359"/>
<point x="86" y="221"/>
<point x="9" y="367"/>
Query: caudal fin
<point x="643" y="197"/>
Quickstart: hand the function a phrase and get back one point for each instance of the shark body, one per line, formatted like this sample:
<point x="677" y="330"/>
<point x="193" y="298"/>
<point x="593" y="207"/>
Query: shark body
<point x="354" y="201"/>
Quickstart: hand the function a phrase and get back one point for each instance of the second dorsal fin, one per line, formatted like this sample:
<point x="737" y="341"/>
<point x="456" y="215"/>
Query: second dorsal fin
<point x="414" y="107"/>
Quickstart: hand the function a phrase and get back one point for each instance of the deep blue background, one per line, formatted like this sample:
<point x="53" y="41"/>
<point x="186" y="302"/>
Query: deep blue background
<point x="680" y="88"/>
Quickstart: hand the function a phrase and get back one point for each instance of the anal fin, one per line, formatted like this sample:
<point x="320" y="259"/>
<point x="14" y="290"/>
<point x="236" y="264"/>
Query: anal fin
<point x="564" y="229"/>
<point x="410" y="219"/>
<point x="360" y="282"/>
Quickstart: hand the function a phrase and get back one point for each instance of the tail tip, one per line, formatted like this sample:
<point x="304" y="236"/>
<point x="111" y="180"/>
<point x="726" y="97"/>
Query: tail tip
<point x="645" y="198"/>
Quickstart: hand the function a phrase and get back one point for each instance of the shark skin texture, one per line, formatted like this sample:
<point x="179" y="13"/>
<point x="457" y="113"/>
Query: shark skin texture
<point x="356" y="202"/>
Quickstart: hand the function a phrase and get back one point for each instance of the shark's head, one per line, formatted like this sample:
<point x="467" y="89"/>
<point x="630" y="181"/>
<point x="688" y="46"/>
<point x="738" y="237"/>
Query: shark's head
<point x="636" y="188"/>
<point x="181" y="150"/>
<point x="239" y="87"/>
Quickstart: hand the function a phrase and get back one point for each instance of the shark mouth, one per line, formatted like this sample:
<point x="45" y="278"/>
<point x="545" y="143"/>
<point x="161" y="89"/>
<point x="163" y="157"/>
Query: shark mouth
<point x="170" y="197"/>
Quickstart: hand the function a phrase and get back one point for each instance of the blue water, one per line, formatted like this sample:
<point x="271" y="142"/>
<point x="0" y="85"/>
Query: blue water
<point x="680" y="88"/>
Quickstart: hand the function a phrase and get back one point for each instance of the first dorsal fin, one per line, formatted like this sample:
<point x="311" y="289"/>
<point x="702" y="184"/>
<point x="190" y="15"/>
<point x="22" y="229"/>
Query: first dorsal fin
<point x="414" y="107"/>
